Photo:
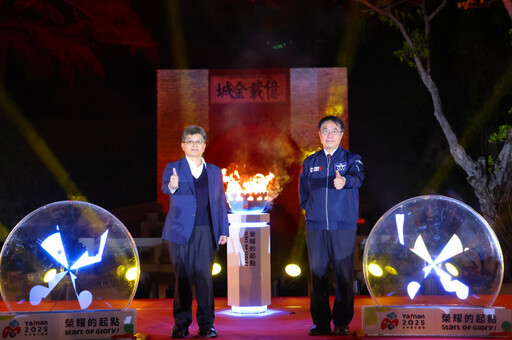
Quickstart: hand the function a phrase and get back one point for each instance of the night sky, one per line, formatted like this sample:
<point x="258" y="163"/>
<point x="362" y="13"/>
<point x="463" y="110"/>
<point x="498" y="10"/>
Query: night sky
<point x="101" y="126"/>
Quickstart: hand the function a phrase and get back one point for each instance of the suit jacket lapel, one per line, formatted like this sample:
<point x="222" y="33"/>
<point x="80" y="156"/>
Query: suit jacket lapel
<point x="188" y="175"/>
<point x="211" y="181"/>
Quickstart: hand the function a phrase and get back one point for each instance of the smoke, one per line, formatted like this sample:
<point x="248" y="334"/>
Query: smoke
<point x="257" y="149"/>
<point x="264" y="156"/>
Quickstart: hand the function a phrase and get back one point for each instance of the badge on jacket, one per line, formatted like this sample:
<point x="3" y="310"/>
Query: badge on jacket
<point x="340" y="166"/>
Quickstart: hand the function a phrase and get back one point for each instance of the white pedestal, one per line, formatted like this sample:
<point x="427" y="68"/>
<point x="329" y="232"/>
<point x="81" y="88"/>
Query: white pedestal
<point x="249" y="289"/>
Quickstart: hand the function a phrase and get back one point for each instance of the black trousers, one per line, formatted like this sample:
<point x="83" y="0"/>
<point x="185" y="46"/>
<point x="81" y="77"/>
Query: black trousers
<point x="334" y="247"/>
<point x="193" y="263"/>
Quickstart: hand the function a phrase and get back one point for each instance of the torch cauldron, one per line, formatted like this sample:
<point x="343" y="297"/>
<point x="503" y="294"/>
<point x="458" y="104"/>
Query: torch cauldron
<point x="249" y="289"/>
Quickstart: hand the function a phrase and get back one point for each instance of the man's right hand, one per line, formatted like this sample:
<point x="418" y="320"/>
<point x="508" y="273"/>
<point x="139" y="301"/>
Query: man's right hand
<point x="339" y="181"/>
<point x="175" y="180"/>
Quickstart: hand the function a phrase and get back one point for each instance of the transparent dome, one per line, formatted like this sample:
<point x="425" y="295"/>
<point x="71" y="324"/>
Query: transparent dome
<point x="68" y="255"/>
<point x="433" y="250"/>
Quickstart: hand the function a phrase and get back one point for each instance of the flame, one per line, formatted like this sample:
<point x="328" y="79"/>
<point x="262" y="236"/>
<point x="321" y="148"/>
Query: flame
<point x="247" y="188"/>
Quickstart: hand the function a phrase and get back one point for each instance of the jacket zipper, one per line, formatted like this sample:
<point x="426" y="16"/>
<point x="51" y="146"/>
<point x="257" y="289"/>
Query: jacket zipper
<point x="326" y="195"/>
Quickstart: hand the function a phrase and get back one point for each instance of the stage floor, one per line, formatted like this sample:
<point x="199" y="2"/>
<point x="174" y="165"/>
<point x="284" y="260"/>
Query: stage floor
<point x="286" y="318"/>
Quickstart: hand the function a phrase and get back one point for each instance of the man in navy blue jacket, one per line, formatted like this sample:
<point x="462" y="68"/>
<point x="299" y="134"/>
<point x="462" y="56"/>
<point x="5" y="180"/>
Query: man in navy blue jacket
<point x="196" y="224"/>
<point x="328" y="192"/>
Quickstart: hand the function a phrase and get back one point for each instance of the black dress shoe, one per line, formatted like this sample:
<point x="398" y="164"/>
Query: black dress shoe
<point x="207" y="332"/>
<point x="179" y="332"/>
<point x="315" y="330"/>
<point x="341" y="330"/>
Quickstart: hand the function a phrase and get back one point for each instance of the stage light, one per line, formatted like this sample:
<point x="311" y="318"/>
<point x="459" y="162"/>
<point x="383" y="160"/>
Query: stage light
<point x="451" y="269"/>
<point x="249" y="310"/>
<point x="120" y="270"/>
<point x="390" y="270"/>
<point x="375" y="269"/>
<point x="49" y="275"/>
<point x="293" y="270"/>
<point x="216" y="269"/>
<point x="131" y="274"/>
<point x="4" y="232"/>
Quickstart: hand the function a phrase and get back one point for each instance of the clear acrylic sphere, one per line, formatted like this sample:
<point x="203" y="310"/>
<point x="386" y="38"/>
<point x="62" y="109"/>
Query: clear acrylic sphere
<point x="68" y="255"/>
<point x="433" y="250"/>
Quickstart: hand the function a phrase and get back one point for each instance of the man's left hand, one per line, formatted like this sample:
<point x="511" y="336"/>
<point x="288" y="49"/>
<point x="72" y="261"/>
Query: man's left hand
<point x="339" y="181"/>
<point x="223" y="239"/>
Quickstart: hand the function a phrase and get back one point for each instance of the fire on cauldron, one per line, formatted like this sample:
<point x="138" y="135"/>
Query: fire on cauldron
<point x="248" y="194"/>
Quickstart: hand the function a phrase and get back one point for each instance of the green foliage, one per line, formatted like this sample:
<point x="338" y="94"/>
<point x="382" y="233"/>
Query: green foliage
<point x="407" y="13"/>
<point x="421" y="50"/>
<point x="490" y="163"/>
<point x="382" y="18"/>
<point x="501" y="135"/>
<point x="503" y="131"/>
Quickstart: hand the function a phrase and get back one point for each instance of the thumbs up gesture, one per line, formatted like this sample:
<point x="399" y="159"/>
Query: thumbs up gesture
<point x="175" y="180"/>
<point x="339" y="181"/>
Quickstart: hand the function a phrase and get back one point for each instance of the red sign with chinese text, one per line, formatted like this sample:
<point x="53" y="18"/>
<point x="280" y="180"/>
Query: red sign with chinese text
<point x="253" y="88"/>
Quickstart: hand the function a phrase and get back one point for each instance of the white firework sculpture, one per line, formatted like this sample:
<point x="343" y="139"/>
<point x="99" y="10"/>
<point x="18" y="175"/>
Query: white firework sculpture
<point x="452" y="248"/>
<point x="54" y="246"/>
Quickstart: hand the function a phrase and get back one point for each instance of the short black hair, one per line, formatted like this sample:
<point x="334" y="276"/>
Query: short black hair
<point x="193" y="130"/>
<point x="333" y="119"/>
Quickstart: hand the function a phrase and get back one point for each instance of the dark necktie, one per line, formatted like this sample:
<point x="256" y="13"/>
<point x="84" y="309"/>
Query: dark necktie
<point x="328" y="158"/>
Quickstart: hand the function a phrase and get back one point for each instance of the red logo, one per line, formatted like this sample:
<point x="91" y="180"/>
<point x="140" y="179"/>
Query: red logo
<point x="389" y="324"/>
<point x="12" y="332"/>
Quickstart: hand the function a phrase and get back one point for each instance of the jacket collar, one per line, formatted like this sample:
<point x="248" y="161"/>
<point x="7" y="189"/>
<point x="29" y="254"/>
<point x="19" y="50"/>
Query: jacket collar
<point x="332" y="153"/>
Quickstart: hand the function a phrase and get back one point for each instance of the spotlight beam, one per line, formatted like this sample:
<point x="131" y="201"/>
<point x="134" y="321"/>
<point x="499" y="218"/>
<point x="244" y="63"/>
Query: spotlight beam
<point x="39" y="146"/>
<point x="501" y="89"/>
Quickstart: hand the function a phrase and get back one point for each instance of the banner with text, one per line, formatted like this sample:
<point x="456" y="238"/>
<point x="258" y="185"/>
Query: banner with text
<point x="69" y="325"/>
<point x="251" y="88"/>
<point x="449" y="321"/>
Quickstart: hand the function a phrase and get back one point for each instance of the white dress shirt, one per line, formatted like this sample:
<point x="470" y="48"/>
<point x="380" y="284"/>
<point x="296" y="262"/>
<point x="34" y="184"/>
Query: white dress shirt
<point x="196" y="169"/>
